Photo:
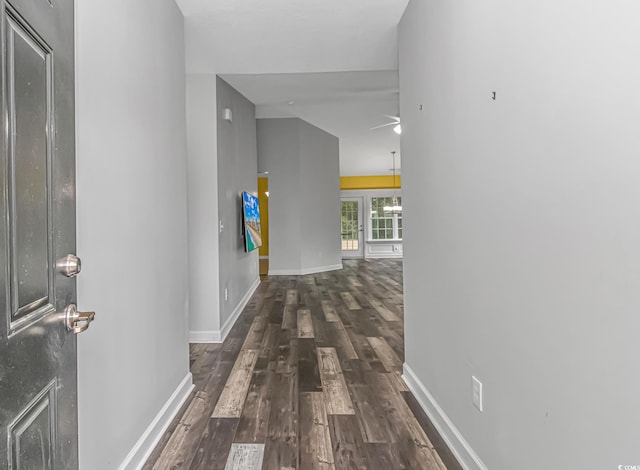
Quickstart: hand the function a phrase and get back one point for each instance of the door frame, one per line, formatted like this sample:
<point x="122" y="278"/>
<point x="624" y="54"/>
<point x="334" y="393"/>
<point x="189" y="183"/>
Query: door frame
<point x="354" y="254"/>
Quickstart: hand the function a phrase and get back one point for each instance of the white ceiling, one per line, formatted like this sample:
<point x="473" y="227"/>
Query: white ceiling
<point x="345" y="104"/>
<point x="279" y="51"/>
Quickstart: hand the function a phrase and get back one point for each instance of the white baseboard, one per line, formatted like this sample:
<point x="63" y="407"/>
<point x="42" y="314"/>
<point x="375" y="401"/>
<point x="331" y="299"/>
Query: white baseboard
<point x="218" y="336"/>
<point x="205" y="336"/>
<point x="226" y="328"/>
<point x="304" y="272"/>
<point x="383" y="256"/>
<point x="152" y="435"/>
<point x="458" y="445"/>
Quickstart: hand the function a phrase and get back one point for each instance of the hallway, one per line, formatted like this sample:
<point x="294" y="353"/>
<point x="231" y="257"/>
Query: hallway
<point x="319" y="360"/>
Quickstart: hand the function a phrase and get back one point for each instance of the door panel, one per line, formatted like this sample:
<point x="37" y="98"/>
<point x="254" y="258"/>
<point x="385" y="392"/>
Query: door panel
<point x="30" y="83"/>
<point x="351" y="228"/>
<point x="32" y="434"/>
<point x="38" y="416"/>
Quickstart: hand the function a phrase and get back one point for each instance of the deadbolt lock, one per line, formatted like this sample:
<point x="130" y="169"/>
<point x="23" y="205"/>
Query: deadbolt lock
<point x="70" y="265"/>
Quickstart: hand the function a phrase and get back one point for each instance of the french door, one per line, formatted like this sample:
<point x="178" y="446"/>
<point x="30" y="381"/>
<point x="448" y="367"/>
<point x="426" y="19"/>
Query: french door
<point x="352" y="233"/>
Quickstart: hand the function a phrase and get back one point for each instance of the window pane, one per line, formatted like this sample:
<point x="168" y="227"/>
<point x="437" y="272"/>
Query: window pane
<point x="381" y="220"/>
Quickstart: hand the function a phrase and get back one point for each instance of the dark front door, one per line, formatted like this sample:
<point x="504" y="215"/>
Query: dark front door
<point x="38" y="402"/>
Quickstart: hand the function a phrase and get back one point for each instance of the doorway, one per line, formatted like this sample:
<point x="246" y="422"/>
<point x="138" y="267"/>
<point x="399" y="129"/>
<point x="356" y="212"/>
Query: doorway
<point x="263" y="198"/>
<point x="352" y="231"/>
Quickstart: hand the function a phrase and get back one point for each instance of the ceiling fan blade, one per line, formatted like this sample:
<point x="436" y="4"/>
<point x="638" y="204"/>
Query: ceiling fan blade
<point x="385" y="125"/>
<point x="395" y="118"/>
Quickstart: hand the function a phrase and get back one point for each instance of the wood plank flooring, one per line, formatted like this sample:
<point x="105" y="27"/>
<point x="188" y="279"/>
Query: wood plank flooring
<point x="309" y="378"/>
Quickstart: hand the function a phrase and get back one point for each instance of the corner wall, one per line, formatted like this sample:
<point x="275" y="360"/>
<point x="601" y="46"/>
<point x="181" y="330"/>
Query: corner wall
<point x="132" y="226"/>
<point x="304" y="195"/>
<point x="320" y="195"/>
<point x="237" y="172"/>
<point x="204" y="319"/>
<point x="522" y="228"/>
<point x="278" y="153"/>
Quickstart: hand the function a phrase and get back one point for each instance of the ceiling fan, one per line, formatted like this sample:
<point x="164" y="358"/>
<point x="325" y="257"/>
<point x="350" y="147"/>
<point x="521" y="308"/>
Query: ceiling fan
<point x="395" y="122"/>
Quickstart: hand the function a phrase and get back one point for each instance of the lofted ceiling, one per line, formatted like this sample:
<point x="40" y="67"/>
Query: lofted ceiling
<point x="345" y="104"/>
<point x="332" y="63"/>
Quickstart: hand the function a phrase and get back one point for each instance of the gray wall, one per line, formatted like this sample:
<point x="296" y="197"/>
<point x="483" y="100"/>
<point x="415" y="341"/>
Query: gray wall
<point x="203" y="204"/>
<point x="521" y="224"/>
<point x="132" y="235"/>
<point x="320" y="188"/>
<point x="237" y="172"/>
<point x="304" y="195"/>
<point x="278" y="153"/>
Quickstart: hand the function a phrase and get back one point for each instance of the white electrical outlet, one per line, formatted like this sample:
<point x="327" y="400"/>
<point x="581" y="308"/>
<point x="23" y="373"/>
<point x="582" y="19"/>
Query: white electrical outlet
<point x="476" y="393"/>
<point x="226" y="294"/>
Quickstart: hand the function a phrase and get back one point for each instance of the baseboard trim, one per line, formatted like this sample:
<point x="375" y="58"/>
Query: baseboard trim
<point x="460" y="448"/>
<point x="383" y="256"/>
<point x="205" y="336"/>
<point x="152" y="435"/>
<point x="304" y="272"/>
<point x="218" y="336"/>
<point x="226" y="328"/>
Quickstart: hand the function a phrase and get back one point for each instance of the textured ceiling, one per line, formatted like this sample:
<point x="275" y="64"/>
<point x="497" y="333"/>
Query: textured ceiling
<point x="289" y="46"/>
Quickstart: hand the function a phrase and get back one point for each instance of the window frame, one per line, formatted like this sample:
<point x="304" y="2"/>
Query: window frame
<point x="394" y="219"/>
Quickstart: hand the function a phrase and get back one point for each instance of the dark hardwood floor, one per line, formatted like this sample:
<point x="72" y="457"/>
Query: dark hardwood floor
<point x="309" y="378"/>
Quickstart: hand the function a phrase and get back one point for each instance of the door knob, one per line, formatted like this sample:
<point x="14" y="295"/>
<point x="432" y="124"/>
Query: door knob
<point x="70" y="265"/>
<point x="77" y="321"/>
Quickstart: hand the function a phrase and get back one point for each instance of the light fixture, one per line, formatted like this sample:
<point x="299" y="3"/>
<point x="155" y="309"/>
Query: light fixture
<point x="394" y="207"/>
<point x="398" y="129"/>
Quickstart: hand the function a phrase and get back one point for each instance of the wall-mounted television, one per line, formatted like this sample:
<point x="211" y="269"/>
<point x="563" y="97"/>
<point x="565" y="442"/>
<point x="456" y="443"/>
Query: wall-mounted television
<point x="251" y="222"/>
